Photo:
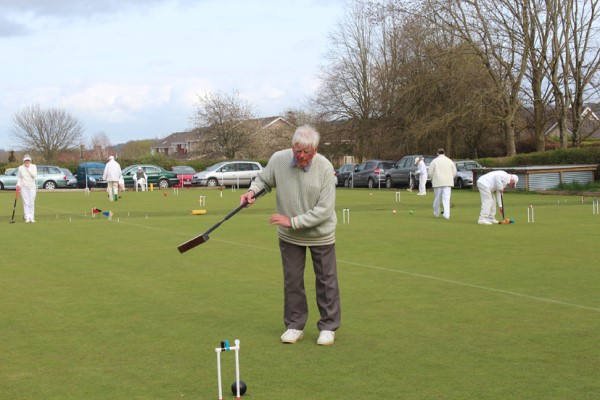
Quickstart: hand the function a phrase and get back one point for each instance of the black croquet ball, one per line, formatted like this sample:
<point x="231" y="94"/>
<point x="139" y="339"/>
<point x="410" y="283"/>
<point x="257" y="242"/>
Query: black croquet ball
<point x="243" y="388"/>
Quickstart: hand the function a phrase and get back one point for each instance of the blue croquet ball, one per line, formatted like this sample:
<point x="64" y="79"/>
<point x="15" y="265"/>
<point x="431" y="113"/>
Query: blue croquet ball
<point x="512" y="220"/>
<point x="243" y="388"/>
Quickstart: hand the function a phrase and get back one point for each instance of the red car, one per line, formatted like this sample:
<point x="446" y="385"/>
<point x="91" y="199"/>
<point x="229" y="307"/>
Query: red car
<point x="184" y="173"/>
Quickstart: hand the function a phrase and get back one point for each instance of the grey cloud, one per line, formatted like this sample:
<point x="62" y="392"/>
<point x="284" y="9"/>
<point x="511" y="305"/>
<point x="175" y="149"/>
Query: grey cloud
<point x="74" y="8"/>
<point x="9" y="28"/>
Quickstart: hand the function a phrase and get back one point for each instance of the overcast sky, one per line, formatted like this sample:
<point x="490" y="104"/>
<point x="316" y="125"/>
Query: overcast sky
<point x="133" y="68"/>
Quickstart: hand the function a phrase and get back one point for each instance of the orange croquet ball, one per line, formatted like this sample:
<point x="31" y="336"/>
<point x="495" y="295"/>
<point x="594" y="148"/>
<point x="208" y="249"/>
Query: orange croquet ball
<point x="165" y="194"/>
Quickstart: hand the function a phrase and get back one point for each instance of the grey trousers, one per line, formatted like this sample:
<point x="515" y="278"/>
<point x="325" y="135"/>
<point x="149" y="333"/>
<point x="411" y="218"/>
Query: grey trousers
<point x="295" y="313"/>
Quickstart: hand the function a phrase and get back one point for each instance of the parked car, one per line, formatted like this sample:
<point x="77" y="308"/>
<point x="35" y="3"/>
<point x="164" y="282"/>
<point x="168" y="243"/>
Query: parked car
<point x="399" y="174"/>
<point x="464" y="173"/>
<point x="370" y="174"/>
<point x="8" y="171"/>
<point x="71" y="180"/>
<point x="228" y="173"/>
<point x="185" y="174"/>
<point x="157" y="176"/>
<point x="343" y="173"/>
<point x="48" y="177"/>
<point x="89" y="175"/>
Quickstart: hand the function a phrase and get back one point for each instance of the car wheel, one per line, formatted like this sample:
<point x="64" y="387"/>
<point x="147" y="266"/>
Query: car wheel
<point x="461" y="184"/>
<point x="50" y="185"/>
<point x="370" y="183"/>
<point x="163" y="184"/>
<point x="212" y="182"/>
<point x="1" y="186"/>
<point x="388" y="182"/>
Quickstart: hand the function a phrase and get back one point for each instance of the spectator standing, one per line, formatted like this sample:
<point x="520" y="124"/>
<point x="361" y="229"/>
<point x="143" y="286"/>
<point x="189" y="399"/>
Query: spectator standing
<point x="422" y="174"/>
<point x="305" y="219"/>
<point x="442" y="171"/>
<point x="112" y="175"/>
<point x="489" y="184"/>
<point x="27" y="185"/>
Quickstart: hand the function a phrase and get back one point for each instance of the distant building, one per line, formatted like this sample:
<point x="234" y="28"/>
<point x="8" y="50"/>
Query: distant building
<point x="270" y="134"/>
<point x="178" y="144"/>
<point x="589" y="128"/>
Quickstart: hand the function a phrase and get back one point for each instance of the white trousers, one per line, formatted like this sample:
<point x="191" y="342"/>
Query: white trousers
<point x="441" y="193"/>
<point x="141" y="183"/>
<point x="28" y="199"/>
<point x="488" y="203"/>
<point x="112" y="187"/>
<point x="422" y="184"/>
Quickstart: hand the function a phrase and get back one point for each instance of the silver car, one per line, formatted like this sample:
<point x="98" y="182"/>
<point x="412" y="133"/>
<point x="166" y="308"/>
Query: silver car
<point x="48" y="177"/>
<point x="228" y="173"/>
<point x="464" y="173"/>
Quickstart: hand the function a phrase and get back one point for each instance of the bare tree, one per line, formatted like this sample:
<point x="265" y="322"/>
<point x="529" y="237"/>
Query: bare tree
<point x="496" y="31"/>
<point x="224" y="115"/>
<point x="347" y="91"/>
<point x="538" y="38"/>
<point x="46" y="132"/>
<point x="584" y="57"/>
<point x="100" y="144"/>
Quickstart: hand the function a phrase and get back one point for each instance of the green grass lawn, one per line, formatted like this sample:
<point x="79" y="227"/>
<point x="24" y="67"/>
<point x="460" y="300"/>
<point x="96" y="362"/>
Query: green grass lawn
<point x="92" y="308"/>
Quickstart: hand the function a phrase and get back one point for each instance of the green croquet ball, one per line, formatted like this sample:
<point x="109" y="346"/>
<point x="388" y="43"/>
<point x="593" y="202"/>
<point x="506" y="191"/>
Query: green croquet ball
<point x="410" y="211"/>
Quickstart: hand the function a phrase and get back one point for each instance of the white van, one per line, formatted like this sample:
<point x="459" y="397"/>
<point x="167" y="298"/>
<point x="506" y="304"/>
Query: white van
<point x="228" y="173"/>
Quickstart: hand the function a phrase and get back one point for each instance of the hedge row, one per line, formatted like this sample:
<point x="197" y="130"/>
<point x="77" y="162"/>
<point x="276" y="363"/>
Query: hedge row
<point x="573" y="156"/>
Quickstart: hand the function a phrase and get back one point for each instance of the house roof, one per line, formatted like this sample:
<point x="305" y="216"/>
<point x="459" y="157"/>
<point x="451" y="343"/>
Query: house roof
<point x="194" y="135"/>
<point x="590" y="125"/>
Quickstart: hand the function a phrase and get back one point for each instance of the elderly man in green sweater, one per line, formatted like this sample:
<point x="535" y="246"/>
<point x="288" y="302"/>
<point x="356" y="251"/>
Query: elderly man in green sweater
<point x="306" y="219"/>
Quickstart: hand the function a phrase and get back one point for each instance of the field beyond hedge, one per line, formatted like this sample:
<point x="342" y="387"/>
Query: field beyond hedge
<point x="98" y="308"/>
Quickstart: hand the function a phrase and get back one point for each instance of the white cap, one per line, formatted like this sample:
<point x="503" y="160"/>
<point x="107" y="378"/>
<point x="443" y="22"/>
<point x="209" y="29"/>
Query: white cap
<point x="515" y="178"/>
<point x="417" y="160"/>
<point x="26" y="157"/>
<point x="111" y="158"/>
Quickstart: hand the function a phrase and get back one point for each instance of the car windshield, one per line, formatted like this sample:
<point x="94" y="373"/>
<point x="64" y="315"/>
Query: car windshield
<point x="184" y="170"/>
<point x="215" y="167"/>
<point x="96" y="170"/>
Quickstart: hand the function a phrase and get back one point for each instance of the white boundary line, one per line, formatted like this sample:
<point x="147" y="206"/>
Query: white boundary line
<point x="542" y="299"/>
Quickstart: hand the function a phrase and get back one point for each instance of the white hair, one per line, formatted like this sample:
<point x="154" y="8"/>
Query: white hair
<point x="306" y="135"/>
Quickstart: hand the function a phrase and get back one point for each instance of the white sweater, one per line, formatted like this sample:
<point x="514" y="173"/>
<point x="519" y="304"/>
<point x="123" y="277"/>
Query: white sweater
<point x="26" y="176"/>
<point x="442" y="171"/>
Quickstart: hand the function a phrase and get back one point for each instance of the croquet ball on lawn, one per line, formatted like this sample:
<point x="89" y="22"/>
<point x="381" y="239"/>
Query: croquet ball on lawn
<point x="507" y="221"/>
<point x="512" y="220"/>
<point x="243" y="388"/>
<point x="394" y="211"/>
<point x="165" y="194"/>
<point x="411" y="212"/>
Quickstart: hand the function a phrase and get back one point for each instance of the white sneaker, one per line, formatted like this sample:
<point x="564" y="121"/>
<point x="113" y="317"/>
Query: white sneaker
<point x="291" y="336"/>
<point x="494" y="221"/>
<point x="484" y="222"/>
<point x="326" y="338"/>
